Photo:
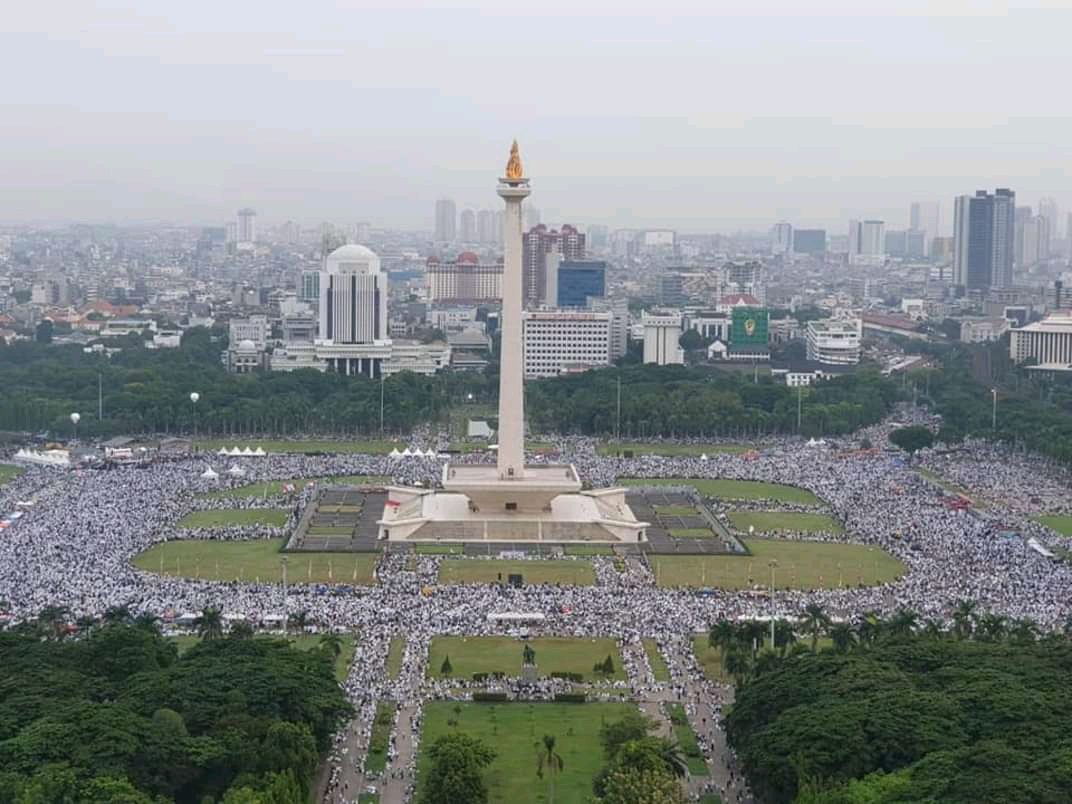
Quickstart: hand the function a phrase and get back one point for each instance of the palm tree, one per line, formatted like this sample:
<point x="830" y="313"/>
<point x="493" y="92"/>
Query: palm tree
<point x="298" y="621"/>
<point x="721" y="635"/>
<point x="992" y="627"/>
<point x="671" y="753"/>
<point x="867" y="630"/>
<point x="332" y="643"/>
<point x="750" y="635"/>
<point x="1024" y="630"/>
<point x="116" y="614"/>
<point x="85" y="623"/>
<point x="783" y="636"/>
<point x="209" y="623"/>
<point x="903" y="622"/>
<point x="147" y="621"/>
<point x="964" y="619"/>
<point x="552" y="761"/>
<point x="55" y="617"/>
<point x="816" y="621"/>
<point x="241" y="630"/>
<point x="843" y="636"/>
<point x="737" y="661"/>
<point x="933" y="628"/>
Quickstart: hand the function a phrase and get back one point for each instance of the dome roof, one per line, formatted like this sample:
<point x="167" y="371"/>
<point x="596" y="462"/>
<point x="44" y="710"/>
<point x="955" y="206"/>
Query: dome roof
<point x="247" y="346"/>
<point x="468" y="258"/>
<point x="352" y="251"/>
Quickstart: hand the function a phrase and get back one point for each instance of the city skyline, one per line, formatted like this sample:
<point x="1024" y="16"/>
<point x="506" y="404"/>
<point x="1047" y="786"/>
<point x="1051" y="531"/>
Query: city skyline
<point x="122" y="115"/>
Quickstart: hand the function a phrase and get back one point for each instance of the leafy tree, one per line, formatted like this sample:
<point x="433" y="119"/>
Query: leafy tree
<point x="332" y="644"/>
<point x="631" y="786"/>
<point x="455" y="774"/>
<point x="241" y="630"/>
<point x="446" y="668"/>
<point x="209" y="623"/>
<point x="912" y="439"/>
<point x="816" y="622"/>
<point x="633" y="726"/>
<point x="44" y="330"/>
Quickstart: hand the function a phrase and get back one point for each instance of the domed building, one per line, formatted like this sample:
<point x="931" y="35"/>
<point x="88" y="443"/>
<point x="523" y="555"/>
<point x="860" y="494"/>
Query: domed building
<point x="353" y="311"/>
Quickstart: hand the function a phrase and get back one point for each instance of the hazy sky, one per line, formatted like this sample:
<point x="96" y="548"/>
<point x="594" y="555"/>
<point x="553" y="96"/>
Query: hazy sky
<point x="707" y="117"/>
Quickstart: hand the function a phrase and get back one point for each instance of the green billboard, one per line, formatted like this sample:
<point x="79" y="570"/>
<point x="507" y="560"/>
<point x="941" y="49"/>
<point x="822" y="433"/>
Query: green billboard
<point x="748" y="326"/>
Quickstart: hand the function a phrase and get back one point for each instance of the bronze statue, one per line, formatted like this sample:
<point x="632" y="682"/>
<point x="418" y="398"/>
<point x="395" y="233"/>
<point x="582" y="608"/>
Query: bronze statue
<point x="529" y="655"/>
<point x="513" y="167"/>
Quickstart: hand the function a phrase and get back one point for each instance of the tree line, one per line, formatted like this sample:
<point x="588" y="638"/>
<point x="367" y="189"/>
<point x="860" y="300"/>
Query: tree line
<point x="899" y="709"/>
<point x="114" y="714"/>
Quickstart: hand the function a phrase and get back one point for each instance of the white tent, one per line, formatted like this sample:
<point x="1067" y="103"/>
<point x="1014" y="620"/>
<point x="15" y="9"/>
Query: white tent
<point x="395" y="454"/>
<point x="406" y="453"/>
<point x="259" y="452"/>
<point x="247" y="452"/>
<point x="223" y="451"/>
<point x="236" y="471"/>
<point x="209" y="474"/>
<point x="703" y="457"/>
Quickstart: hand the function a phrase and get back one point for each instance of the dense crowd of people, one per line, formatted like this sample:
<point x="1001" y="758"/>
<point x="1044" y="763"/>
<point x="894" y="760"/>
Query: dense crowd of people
<point x="80" y="529"/>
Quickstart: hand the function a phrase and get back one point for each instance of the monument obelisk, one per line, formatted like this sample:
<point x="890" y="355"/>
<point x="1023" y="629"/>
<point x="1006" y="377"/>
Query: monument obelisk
<point x="513" y="189"/>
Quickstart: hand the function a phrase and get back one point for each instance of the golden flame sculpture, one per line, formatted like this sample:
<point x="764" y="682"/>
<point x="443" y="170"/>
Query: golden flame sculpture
<point x="513" y="167"/>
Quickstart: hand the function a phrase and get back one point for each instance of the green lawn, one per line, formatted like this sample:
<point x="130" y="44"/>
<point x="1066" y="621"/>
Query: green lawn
<point x="462" y="570"/>
<point x="675" y="510"/>
<point x="588" y="550"/>
<point x="515" y="731"/>
<point x="370" y="447"/>
<point x="668" y="450"/>
<point x="470" y="655"/>
<point x="692" y="533"/>
<point x="300" y="641"/>
<point x="255" y="560"/>
<point x="1062" y="523"/>
<point x="395" y="653"/>
<point x="686" y="738"/>
<point x="235" y="517"/>
<point x="427" y="549"/>
<point x="9" y="472"/>
<point x="731" y="489"/>
<point x="951" y="487"/>
<point x="779" y="520"/>
<point x="656" y="660"/>
<point x="271" y="488"/>
<point x="379" y="740"/>
<point x="800" y="565"/>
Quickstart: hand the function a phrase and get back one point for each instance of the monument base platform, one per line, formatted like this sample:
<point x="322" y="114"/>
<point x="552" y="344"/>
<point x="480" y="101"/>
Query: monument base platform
<point x="424" y="515"/>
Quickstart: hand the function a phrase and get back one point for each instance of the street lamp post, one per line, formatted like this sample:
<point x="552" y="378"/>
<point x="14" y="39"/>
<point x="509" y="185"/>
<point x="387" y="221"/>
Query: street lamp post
<point x="284" y="560"/>
<point x="75" y="418"/>
<point x="994" y="409"/>
<point x="772" y="565"/>
<point x="194" y="396"/>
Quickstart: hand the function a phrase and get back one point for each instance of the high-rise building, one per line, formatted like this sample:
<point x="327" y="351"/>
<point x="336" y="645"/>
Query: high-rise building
<point x="1047" y="208"/>
<point x="923" y="216"/>
<point x="835" y="342"/>
<point x="537" y="244"/>
<point x="619" y="323"/>
<point x="310" y="287"/>
<point x="1032" y="240"/>
<point x="464" y="281"/>
<point x="670" y="289"/>
<point x="562" y="341"/>
<point x="809" y="241"/>
<point x="597" y="236"/>
<point x="867" y="242"/>
<point x="782" y="239"/>
<point x="446" y="221"/>
<point x="467" y="226"/>
<point x="353" y="298"/>
<point x="662" y="335"/>
<point x="246" y="233"/>
<point x="580" y="281"/>
<point x="984" y="237"/>
<point x="486" y="223"/>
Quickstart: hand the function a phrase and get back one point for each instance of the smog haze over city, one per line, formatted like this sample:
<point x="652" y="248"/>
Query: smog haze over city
<point x="705" y="116"/>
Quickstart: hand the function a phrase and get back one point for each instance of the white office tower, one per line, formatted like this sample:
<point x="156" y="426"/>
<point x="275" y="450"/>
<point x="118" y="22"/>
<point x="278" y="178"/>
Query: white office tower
<point x="246" y="233"/>
<point x="1047" y="209"/>
<point x="662" y="333"/>
<point x="835" y="342"/>
<point x="867" y="242"/>
<point x="924" y="216"/>
<point x="353" y="311"/>
<point x="488" y="227"/>
<point x="565" y="341"/>
<point x="467" y="226"/>
<point x="782" y="240"/>
<point x="552" y="261"/>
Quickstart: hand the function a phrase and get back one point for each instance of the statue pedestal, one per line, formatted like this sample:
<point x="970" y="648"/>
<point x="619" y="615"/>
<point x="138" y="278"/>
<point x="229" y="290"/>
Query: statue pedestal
<point x="528" y="673"/>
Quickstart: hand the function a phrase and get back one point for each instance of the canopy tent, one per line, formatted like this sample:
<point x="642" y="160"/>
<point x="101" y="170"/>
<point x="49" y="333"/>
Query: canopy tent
<point x="209" y="474"/>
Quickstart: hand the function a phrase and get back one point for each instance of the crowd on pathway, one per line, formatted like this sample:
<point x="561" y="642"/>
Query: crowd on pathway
<point x="80" y="530"/>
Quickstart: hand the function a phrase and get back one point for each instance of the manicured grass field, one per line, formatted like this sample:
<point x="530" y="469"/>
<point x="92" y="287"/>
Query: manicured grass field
<point x="395" y="652"/>
<point x="300" y="641"/>
<point x="800" y="565"/>
<point x="731" y="489"/>
<point x="9" y="472"/>
<point x="379" y="740"/>
<point x="470" y="655"/>
<point x="779" y="520"/>
<point x="514" y="731"/>
<point x="371" y="447"/>
<point x="675" y="510"/>
<point x="272" y="488"/>
<point x="257" y="560"/>
<point x="461" y="570"/>
<point x="668" y="450"/>
<point x="692" y="533"/>
<point x="686" y="738"/>
<point x="422" y="549"/>
<point x="233" y="518"/>
<point x="1062" y="523"/>
<point x="656" y="660"/>
<point x="588" y="550"/>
